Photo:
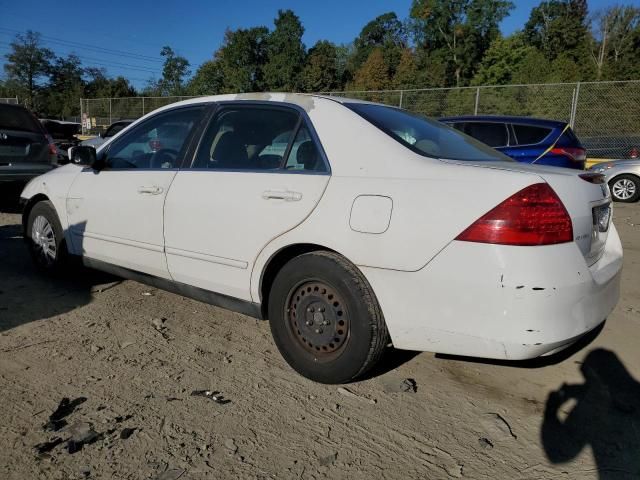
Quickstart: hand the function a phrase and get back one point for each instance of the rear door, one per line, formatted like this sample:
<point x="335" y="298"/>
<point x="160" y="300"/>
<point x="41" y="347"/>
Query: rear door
<point x="259" y="171"/>
<point x="24" y="148"/>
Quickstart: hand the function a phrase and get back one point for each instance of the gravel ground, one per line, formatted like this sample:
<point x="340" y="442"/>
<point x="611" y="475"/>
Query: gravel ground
<point x="97" y="375"/>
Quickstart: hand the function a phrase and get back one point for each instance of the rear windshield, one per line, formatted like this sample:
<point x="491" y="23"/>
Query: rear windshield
<point x="425" y="136"/>
<point x="14" y="118"/>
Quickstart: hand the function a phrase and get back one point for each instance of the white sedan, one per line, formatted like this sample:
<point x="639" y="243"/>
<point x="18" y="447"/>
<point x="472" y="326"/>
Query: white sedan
<point x="349" y="225"/>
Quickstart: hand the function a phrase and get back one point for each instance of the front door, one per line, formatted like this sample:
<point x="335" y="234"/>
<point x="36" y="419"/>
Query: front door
<point x="116" y="214"/>
<point x="259" y="172"/>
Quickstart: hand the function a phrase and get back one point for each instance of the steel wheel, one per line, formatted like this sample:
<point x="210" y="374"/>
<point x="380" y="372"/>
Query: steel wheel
<point x="44" y="240"/>
<point x="318" y="319"/>
<point x="624" y="189"/>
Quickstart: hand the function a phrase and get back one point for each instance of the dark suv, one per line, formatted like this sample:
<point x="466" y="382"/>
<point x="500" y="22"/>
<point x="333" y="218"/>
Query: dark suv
<point x="526" y="140"/>
<point x="26" y="150"/>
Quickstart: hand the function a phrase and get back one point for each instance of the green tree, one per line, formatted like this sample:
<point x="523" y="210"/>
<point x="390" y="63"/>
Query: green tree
<point x="27" y="64"/>
<point x="174" y="71"/>
<point x="208" y="79"/>
<point x="242" y="58"/>
<point x="460" y="30"/>
<point x="320" y="73"/>
<point x="406" y="75"/>
<point x="505" y="60"/>
<point x="559" y="27"/>
<point x="98" y="85"/>
<point x="614" y="29"/>
<point x="285" y="53"/>
<point x="65" y="87"/>
<point x="373" y="74"/>
<point x="385" y="33"/>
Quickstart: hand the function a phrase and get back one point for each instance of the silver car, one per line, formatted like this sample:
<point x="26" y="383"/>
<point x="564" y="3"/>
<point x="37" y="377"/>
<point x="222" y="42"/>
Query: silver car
<point x="623" y="177"/>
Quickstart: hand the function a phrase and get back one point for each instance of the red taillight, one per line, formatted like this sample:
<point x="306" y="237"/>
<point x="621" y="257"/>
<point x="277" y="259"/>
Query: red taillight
<point x="52" y="146"/>
<point x="633" y="153"/>
<point x="575" y="154"/>
<point x="533" y="216"/>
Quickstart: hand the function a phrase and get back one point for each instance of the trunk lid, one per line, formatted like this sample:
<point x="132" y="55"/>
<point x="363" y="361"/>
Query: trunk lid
<point x="23" y="147"/>
<point x="588" y="204"/>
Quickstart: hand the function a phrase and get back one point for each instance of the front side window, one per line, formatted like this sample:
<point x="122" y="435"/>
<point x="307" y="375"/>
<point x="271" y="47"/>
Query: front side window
<point x="159" y="142"/>
<point x="247" y="138"/>
<point x="425" y="136"/>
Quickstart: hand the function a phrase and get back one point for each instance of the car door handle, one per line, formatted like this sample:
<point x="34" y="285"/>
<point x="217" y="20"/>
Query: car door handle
<point x="286" y="195"/>
<point x="153" y="190"/>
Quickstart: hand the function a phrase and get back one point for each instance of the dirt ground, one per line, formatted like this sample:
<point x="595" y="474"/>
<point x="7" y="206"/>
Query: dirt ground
<point x="127" y="358"/>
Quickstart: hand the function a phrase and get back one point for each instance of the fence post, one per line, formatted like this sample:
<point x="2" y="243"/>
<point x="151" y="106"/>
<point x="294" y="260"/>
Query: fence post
<point x="401" y="92"/>
<point x="475" y="108"/>
<point x="143" y="106"/>
<point x="574" y="105"/>
<point x="81" y="119"/>
<point x="110" y="122"/>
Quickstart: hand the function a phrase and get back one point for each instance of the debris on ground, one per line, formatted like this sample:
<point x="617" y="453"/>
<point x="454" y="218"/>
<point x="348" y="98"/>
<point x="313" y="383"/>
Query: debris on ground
<point x="126" y="433"/>
<point x="212" y="395"/>
<point x="46" y="447"/>
<point x="328" y="460"/>
<point x="496" y="424"/>
<point x="230" y="445"/>
<point x="147" y="294"/>
<point x="82" y="433"/>
<point x="65" y="408"/>
<point x="485" y="443"/>
<point x="348" y="393"/>
<point x="396" y="385"/>
<point x="127" y="343"/>
<point x="158" y="324"/>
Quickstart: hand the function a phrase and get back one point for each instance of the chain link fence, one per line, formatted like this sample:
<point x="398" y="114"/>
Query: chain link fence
<point x="11" y="100"/>
<point x="604" y="115"/>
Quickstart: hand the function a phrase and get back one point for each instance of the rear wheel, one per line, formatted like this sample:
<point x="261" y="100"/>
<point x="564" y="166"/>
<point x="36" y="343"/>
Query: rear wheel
<point x="625" y="188"/>
<point x="325" y="318"/>
<point x="45" y="239"/>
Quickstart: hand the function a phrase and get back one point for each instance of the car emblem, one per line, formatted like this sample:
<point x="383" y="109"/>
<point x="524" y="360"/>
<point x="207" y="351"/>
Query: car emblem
<point x="3" y="136"/>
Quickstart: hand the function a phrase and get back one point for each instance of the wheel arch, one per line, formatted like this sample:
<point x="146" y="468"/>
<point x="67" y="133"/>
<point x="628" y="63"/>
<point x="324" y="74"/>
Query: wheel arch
<point x="276" y="262"/>
<point x="37" y="198"/>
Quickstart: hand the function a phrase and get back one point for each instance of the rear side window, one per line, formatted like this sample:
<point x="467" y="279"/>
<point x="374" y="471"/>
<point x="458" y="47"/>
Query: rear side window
<point x="425" y="136"/>
<point x="528" y="135"/>
<point x="492" y="133"/>
<point x="247" y="138"/>
<point x="15" y="118"/>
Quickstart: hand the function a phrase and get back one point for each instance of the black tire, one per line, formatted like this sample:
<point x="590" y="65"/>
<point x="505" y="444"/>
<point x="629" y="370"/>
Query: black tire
<point x="59" y="262"/>
<point x="616" y="185"/>
<point x="347" y="334"/>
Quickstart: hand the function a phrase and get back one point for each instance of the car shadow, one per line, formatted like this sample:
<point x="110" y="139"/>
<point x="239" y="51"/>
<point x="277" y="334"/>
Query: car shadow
<point x="27" y="295"/>
<point x="10" y="197"/>
<point x="602" y="414"/>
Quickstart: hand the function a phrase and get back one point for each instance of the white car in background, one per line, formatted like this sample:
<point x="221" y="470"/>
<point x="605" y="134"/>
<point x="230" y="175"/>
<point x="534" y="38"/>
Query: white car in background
<point x="113" y="129"/>
<point x="349" y="225"/>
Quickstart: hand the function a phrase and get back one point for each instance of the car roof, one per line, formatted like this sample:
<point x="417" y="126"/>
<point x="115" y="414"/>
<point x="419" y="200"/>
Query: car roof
<point x="303" y="100"/>
<point x="540" y="122"/>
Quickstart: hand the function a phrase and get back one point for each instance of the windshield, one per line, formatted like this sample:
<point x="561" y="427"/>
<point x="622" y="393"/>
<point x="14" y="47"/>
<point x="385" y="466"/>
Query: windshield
<point x="425" y="136"/>
<point x="115" y="128"/>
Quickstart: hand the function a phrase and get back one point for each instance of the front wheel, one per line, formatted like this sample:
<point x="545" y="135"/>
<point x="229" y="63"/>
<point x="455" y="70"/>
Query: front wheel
<point x="45" y="239"/>
<point x="625" y="188"/>
<point x="325" y="318"/>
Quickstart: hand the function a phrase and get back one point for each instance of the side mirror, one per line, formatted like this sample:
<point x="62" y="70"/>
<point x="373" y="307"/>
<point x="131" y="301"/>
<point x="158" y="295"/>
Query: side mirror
<point x="82" y="155"/>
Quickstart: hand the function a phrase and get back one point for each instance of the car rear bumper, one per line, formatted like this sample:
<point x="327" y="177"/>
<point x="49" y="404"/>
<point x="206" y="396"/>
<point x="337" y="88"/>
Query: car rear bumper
<point x="497" y="301"/>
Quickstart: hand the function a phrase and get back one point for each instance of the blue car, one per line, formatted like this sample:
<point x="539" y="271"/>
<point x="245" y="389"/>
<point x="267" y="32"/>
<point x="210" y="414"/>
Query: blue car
<point x="526" y="140"/>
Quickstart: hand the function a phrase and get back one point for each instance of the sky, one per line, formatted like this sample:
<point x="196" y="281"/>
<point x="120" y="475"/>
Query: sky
<point x="125" y="37"/>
